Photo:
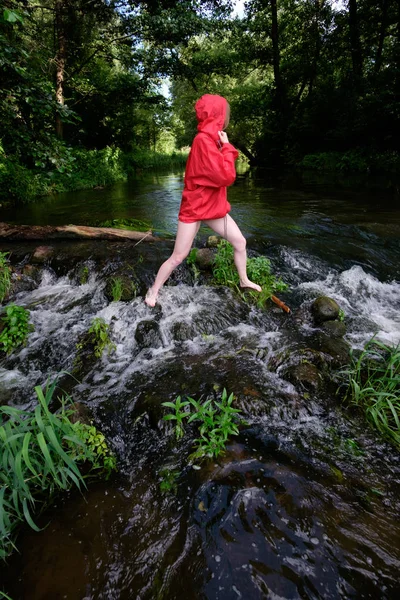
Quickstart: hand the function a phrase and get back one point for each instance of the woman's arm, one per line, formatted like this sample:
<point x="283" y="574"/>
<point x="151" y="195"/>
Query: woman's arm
<point x="212" y="167"/>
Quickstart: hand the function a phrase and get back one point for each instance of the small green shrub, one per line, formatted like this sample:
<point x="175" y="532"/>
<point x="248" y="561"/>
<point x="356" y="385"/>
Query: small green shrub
<point x="94" y="443"/>
<point x="5" y="276"/>
<point x="39" y="454"/>
<point x="258" y="270"/>
<point x="216" y="420"/>
<point x="16" y="328"/>
<point x="374" y="387"/>
<point x="101" y="333"/>
<point x="168" y="481"/>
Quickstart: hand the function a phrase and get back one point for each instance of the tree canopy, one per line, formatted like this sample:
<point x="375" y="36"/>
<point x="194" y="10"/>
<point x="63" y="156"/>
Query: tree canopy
<point x="301" y="76"/>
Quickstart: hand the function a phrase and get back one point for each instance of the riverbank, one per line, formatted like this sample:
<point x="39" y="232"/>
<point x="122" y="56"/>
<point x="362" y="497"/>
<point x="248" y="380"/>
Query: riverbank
<point x="72" y="169"/>
<point x="357" y="160"/>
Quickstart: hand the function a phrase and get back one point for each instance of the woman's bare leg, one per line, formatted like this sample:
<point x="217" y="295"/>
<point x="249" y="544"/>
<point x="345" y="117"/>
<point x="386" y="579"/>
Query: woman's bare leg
<point x="232" y="233"/>
<point x="183" y="242"/>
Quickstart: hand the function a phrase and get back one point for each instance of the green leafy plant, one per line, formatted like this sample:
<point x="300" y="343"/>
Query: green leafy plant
<point x="101" y="333"/>
<point x="216" y="420"/>
<point x="342" y="315"/>
<point x="95" y="443"/>
<point x="374" y="387"/>
<point x="258" y="270"/>
<point x="5" y="276"/>
<point x="39" y="453"/>
<point x="180" y="414"/>
<point x="168" y="481"/>
<point x="16" y="328"/>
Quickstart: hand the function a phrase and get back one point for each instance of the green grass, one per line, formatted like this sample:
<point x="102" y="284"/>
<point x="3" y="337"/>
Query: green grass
<point x="40" y="451"/>
<point x="5" y="276"/>
<point x="374" y="387"/>
<point x="258" y="270"/>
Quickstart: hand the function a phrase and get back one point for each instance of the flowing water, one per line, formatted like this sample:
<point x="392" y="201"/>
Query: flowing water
<point x="305" y="502"/>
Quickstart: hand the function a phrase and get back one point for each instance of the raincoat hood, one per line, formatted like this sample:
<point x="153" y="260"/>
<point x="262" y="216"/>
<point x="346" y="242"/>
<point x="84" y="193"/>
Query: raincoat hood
<point x="211" y="112"/>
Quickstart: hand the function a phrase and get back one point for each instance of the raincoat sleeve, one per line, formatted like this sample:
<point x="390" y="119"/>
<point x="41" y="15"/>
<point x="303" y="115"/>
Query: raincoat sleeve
<point x="213" y="167"/>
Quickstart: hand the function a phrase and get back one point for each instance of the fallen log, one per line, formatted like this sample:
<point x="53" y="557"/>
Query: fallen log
<point x="61" y="232"/>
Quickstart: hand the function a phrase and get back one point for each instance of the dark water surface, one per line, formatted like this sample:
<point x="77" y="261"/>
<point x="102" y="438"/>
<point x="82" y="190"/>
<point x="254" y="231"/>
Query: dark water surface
<point x="305" y="504"/>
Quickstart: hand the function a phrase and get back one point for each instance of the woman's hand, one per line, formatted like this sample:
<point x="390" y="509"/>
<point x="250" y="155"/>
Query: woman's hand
<point x="223" y="137"/>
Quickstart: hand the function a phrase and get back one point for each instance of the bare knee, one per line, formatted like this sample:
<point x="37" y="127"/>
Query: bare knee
<point x="239" y="244"/>
<point x="177" y="258"/>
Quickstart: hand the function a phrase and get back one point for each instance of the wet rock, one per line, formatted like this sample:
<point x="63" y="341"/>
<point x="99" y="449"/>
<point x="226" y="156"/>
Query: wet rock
<point x="305" y="375"/>
<point x="205" y="259"/>
<point x="334" y="329"/>
<point x="337" y="349"/>
<point x="213" y="241"/>
<point x="181" y="332"/>
<point x="42" y="254"/>
<point x="147" y="334"/>
<point x="325" y="309"/>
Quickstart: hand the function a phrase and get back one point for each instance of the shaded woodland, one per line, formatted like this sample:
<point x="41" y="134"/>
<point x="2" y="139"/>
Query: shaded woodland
<point x="314" y="83"/>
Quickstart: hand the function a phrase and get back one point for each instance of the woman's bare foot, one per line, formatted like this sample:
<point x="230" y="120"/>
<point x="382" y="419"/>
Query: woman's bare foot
<point x="249" y="284"/>
<point x="151" y="298"/>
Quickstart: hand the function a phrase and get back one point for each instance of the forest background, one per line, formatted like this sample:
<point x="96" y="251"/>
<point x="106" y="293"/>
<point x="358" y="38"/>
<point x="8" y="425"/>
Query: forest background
<point x="311" y="84"/>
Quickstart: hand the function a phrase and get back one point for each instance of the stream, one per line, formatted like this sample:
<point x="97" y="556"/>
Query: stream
<point x="305" y="502"/>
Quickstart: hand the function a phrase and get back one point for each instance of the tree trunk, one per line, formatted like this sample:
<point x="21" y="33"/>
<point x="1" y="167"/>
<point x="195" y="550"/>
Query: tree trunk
<point x="317" y="51"/>
<point x="276" y="58"/>
<point x="60" y="62"/>
<point x="47" y="232"/>
<point x="355" y="44"/>
<point x="382" y="35"/>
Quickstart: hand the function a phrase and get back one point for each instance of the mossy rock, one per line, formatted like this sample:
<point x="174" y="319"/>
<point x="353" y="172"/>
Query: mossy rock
<point x="205" y="258"/>
<point x="213" y="241"/>
<point x="305" y="375"/>
<point x="334" y="329"/>
<point x="337" y="348"/>
<point x="121" y="287"/>
<point x="325" y="309"/>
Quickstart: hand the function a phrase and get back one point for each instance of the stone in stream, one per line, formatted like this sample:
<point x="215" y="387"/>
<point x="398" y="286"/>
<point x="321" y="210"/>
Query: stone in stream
<point x="205" y="259"/>
<point x="213" y="241"/>
<point x="42" y="253"/>
<point x="147" y="334"/>
<point x="334" y="329"/>
<point x="325" y="309"/>
<point x="306" y="375"/>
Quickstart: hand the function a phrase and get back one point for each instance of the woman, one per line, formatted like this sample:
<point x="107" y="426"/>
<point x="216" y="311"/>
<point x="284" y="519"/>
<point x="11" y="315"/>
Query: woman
<point x="210" y="168"/>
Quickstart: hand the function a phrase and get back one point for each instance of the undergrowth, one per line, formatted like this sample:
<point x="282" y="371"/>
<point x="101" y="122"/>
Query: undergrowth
<point x="258" y="270"/>
<point x="374" y="387"/>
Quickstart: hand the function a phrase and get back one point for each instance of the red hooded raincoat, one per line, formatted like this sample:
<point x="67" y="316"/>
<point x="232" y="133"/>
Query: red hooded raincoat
<point x="208" y="169"/>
